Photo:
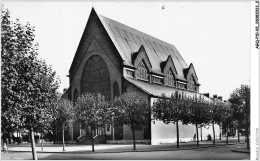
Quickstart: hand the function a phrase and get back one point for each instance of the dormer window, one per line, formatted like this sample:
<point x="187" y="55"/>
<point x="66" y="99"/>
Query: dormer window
<point x="129" y="73"/>
<point x="141" y="71"/>
<point x="181" y="85"/>
<point x="192" y="79"/>
<point x="169" y="79"/>
<point x="157" y="80"/>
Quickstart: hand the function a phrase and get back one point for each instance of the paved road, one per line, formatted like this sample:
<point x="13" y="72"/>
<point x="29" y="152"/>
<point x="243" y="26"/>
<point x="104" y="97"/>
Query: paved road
<point x="219" y="153"/>
<point x="76" y="148"/>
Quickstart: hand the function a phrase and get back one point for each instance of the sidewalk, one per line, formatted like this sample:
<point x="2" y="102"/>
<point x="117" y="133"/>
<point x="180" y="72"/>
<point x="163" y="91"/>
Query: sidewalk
<point x="241" y="148"/>
<point x="119" y="148"/>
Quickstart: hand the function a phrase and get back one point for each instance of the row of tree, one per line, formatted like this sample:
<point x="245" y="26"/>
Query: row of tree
<point x="93" y="111"/>
<point x="199" y="112"/>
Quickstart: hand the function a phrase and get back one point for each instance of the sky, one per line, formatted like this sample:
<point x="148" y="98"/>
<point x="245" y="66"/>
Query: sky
<point x="214" y="36"/>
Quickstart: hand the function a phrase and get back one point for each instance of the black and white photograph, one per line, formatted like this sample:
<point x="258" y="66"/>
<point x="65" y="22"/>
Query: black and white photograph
<point x="122" y="80"/>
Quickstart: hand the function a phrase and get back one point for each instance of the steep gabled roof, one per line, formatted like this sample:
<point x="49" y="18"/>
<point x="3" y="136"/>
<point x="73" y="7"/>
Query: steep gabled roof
<point x="141" y="54"/>
<point x="170" y="64"/>
<point x="190" y="70"/>
<point x="129" y="40"/>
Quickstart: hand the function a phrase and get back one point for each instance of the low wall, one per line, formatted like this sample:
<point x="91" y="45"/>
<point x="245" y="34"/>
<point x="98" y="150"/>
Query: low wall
<point x="128" y="141"/>
<point x="128" y="135"/>
<point x="166" y="133"/>
<point x="66" y="142"/>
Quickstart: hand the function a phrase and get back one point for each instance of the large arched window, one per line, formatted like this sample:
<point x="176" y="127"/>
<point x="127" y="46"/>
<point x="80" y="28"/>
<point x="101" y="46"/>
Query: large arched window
<point x="115" y="90"/>
<point x="169" y="78"/>
<point x="95" y="77"/>
<point x="141" y="72"/>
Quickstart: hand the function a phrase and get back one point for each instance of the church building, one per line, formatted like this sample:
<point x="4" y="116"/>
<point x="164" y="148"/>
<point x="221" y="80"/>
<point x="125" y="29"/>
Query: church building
<point x="113" y="58"/>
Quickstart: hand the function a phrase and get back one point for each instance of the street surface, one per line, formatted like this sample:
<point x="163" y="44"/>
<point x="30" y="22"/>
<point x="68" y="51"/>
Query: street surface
<point x="209" y="153"/>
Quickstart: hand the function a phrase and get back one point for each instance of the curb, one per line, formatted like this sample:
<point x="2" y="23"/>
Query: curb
<point x="30" y="151"/>
<point x="239" y="151"/>
<point x="153" y="150"/>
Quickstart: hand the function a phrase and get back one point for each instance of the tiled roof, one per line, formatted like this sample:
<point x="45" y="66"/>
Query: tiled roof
<point x="157" y="90"/>
<point x="128" y="41"/>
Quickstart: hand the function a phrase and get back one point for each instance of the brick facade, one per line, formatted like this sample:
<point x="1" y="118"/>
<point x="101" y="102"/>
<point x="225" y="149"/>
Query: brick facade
<point x="96" y="67"/>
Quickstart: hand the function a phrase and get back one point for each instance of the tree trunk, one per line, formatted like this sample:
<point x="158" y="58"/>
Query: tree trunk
<point x="201" y="134"/>
<point x="9" y="138"/>
<point x="42" y="142"/>
<point x="105" y="133"/>
<point x="213" y="133"/>
<point x="113" y="131"/>
<point x="20" y="136"/>
<point x="238" y="139"/>
<point x="92" y="138"/>
<point x="197" y="132"/>
<point x="220" y="135"/>
<point x="72" y="133"/>
<point x="178" y="139"/>
<point x="63" y="141"/>
<point x="133" y="131"/>
<point x="227" y="135"/>
<point x="56" y="138"/>
<point x="247" y="134"/>
<point x="33" y="145"/>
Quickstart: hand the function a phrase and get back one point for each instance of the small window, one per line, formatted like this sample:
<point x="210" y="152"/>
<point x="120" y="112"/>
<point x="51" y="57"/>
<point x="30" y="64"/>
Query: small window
<point x="182" y="86"/>
<point x="108" y="129"/>
<point x="192" y="84"/>
<point x="115" y="90"/>
<point x="129" y="73"/>
<point x="169" y="79"/>
<point x="141" y="71"/>
<point x="157" y="80"/>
